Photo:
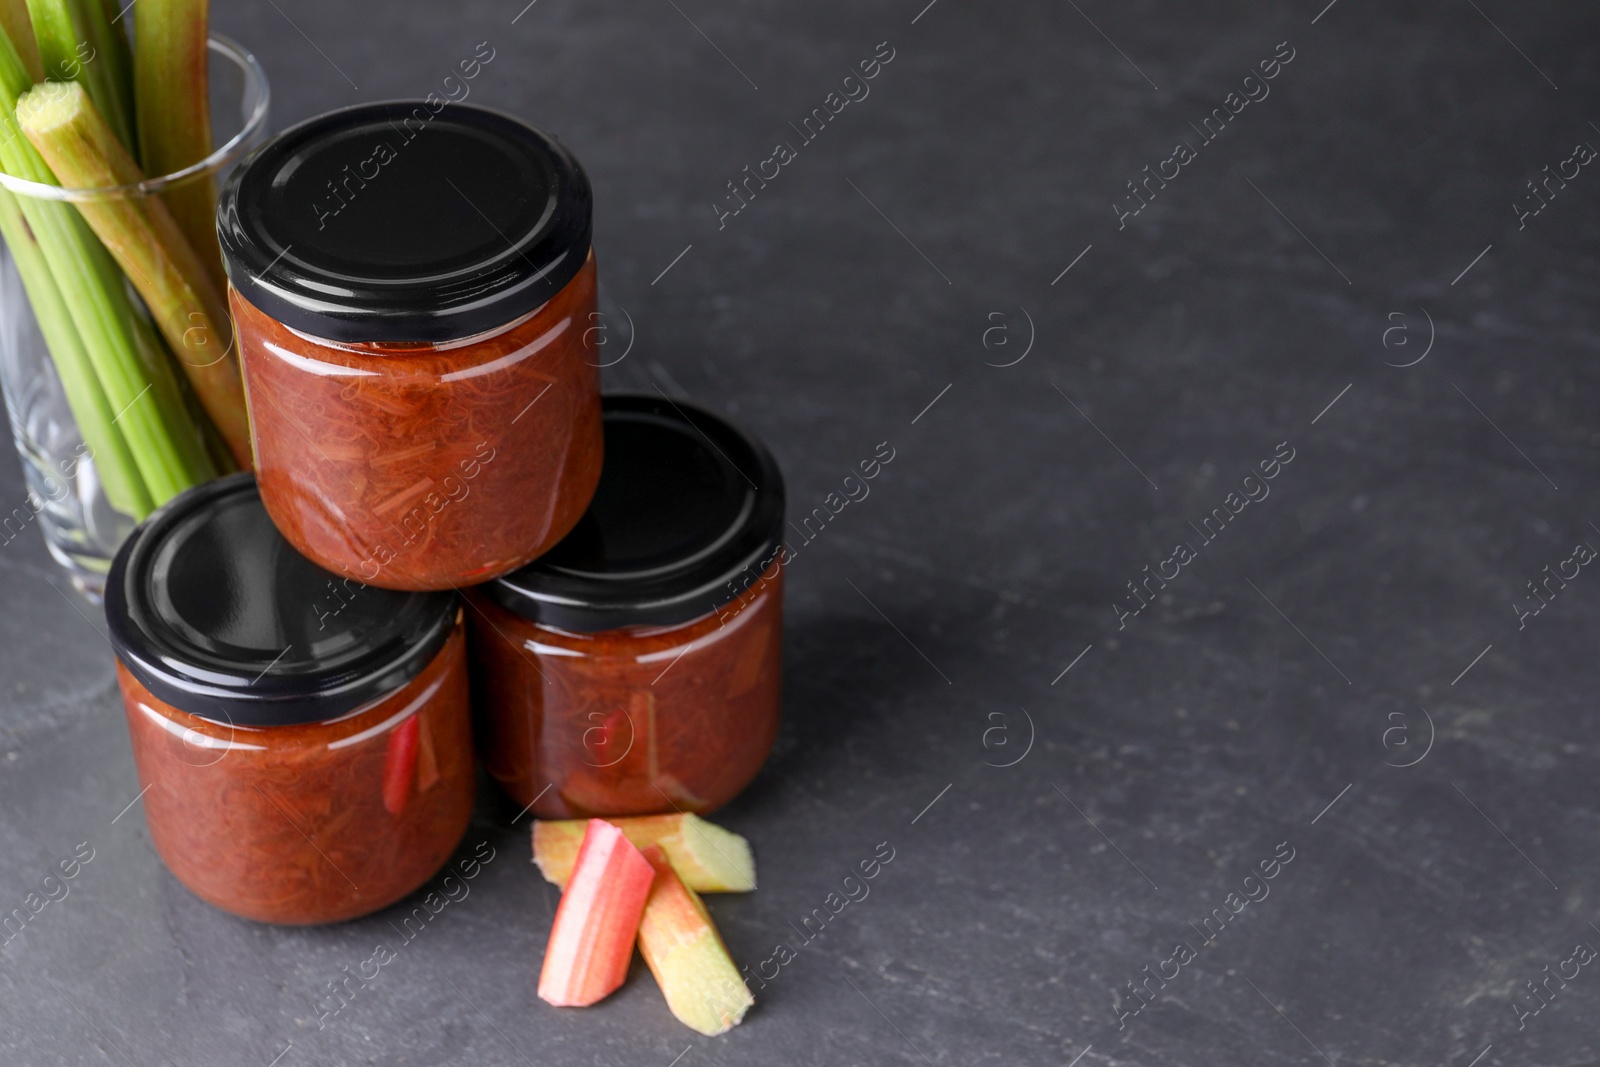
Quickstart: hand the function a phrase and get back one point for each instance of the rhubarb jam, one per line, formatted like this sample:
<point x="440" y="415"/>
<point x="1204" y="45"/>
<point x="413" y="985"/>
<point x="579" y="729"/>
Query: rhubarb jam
<point x="637" y="668"/>
<point x="413" y="292"/>
<point x="304" y="742"/>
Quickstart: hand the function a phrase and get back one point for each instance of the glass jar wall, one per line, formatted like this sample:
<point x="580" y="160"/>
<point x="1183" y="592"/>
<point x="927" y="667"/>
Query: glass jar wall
<point x="633" y="720"/>
<point x="312" y="823"/>
<point x="414" y="467"/>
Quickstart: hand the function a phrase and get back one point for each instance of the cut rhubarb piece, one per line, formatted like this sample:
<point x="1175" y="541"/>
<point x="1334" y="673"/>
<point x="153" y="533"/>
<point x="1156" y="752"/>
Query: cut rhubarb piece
<point x="708" y="858"/>
<point x="427" y="757"/>
<point x="400" y="766"/>
<point x="591" y="942"/>
<point x="681" y="945"/>
<point x="679" y="794"/>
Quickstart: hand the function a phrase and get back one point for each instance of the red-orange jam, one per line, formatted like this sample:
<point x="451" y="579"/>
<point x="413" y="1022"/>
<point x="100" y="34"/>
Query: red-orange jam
<point x="414" y="296"/>
<point x="637" y="668"/>
<point x="303" y="741"/>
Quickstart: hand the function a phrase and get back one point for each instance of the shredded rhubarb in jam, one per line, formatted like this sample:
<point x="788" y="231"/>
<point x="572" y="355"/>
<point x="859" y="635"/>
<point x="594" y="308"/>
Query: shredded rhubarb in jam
<point x="313" y="823"/>
<point x="427" y="466"/>
<point x="632" y="721"/>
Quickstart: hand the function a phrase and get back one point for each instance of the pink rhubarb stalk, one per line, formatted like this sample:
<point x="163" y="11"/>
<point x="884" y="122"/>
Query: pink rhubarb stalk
<point x="591" y="942"/>
<point x="400" y="765"/>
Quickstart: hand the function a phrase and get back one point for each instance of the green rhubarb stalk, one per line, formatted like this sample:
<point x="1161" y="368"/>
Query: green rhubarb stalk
<point x="115" y="58"/>
<point x="173" y="108"/>
<point x="707" y="857"/>
<point x="132" y="371"/>
<point x="681" y="946"/>
<point x="62" y="123"/>
<point x="113" y="461"/>
<point x="66" y="32"/>
<point x="18" y="26"/>
<point x="122" y="347"/>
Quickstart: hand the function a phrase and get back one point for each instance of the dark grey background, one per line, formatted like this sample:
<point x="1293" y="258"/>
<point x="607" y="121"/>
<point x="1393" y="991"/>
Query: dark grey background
<point x="1177" y="752"/>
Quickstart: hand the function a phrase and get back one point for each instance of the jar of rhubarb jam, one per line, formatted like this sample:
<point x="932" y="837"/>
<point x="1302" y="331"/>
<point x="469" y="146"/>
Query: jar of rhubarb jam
<point x="414" y="298"/>
<point x="637" y="667"/>
<point x="304" y="742"/>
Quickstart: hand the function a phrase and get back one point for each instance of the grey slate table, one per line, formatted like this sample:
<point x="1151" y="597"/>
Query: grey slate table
<point x="1349" y="671"/>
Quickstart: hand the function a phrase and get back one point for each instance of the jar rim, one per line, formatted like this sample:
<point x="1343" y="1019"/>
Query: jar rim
<point x="371" y="349"/>
<point x="257" y="99"/>
<point x="688" y="515"/>
<point x="202" y="593"/>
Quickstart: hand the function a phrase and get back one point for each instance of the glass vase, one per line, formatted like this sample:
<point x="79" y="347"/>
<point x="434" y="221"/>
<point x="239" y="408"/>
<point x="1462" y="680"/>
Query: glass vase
<point x="64" y="495"/>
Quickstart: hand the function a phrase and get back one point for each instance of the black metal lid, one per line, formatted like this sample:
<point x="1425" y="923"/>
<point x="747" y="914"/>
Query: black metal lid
<point x="688" y="513"/>
<point x="399" y="222"/>
<point x="217" y="615"/>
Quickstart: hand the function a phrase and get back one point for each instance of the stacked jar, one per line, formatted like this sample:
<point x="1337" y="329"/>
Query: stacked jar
<point x="414" y="298"/>
<point x="412" y="293"/>
<point x="637" y="667"/>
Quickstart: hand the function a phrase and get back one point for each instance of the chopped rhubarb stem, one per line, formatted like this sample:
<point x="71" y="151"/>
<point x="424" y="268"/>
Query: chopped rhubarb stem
<point x="592" y="939"/>
<point x="708" y="858"/>
<point x="400" y="766"/>
<point x="427" y="757"/>
<point x="608" y="741"/>
<point x="682" y="948"/>
<point x="404" y="455"/>
<point x="403" y="497"/>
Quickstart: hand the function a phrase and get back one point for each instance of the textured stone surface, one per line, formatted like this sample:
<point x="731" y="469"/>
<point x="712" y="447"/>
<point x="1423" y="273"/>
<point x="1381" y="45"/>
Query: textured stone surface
<point x="1177" y="753"/>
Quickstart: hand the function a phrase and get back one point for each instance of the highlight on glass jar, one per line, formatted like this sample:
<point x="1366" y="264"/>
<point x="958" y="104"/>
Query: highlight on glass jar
<point x="413" y="291"/>
<point x="637" y="668"/>
<point x="304" y="741"/>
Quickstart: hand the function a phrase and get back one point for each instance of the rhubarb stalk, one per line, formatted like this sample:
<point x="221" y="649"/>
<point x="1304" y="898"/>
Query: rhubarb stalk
<point x="174" y="114"/>
<point x="130" y="368"/>
<point x="684" y="951"/>
<point x="75" y="47"/>
<point x="119" y="473"/>
<point x="99" y="19"/>
<point x="62" y="123"/>
<point x="591" y="942"/>
<point x="18" y="26"/>
<point x="708" y="858"/>
<point x="400" y="765"/>
<point x="428" y="774"/>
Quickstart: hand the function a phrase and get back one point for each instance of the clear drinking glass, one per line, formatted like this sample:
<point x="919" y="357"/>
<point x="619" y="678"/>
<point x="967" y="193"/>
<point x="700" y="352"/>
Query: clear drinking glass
<point x="64" y="496"/>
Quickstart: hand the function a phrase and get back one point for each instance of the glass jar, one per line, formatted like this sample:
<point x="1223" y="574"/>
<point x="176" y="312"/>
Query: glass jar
<point x="304" y="742"/>
<point x="414" y="294"/>
<point x="637" y="668"/>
